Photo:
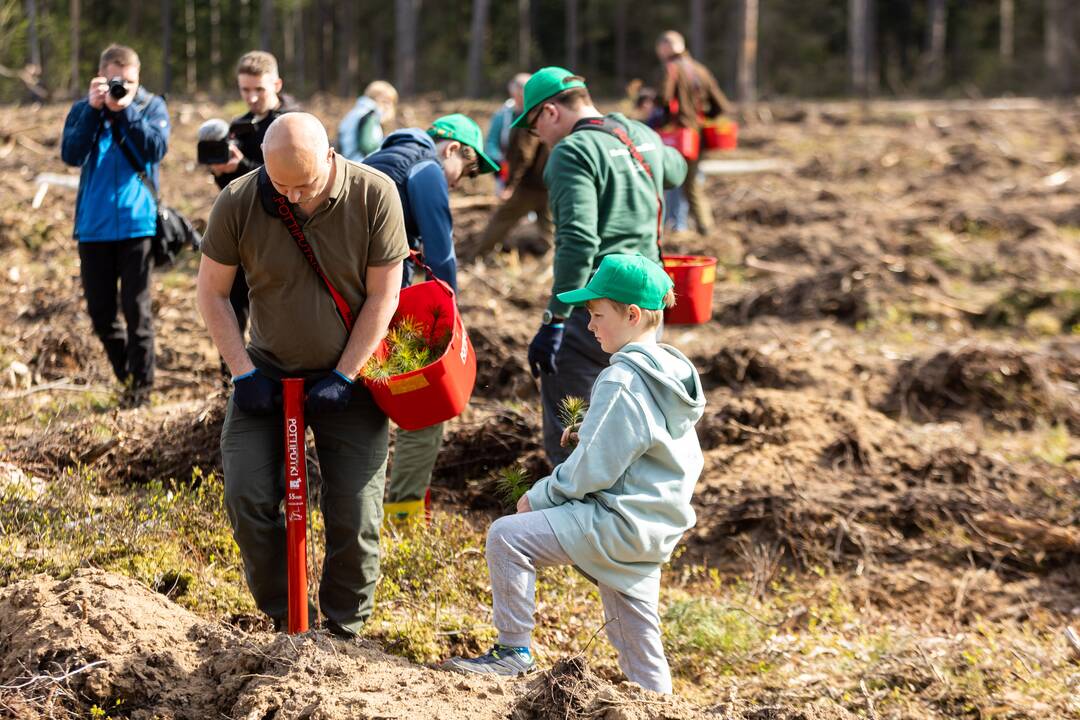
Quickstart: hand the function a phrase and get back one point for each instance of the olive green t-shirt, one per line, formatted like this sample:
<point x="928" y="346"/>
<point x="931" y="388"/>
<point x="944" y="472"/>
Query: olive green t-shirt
<point x="295" y="327"/>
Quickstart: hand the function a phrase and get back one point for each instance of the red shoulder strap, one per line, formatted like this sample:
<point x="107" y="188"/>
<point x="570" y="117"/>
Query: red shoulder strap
<point x="285" y="214"/>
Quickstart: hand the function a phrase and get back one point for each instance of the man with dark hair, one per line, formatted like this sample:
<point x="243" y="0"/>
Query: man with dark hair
<point x="686" y="94"/>
<point x="119" y="125"/>
<point x="605" y="178"/>
<point x="260" y="86"/>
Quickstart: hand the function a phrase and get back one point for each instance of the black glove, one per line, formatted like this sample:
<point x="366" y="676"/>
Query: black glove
<point x="256" y="393"/>
<point x="330" y="394"/>
<point x="544" y="347"/>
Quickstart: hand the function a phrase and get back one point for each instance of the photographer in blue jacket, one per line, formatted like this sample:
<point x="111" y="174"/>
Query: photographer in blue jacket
<point x="115" y="211"/>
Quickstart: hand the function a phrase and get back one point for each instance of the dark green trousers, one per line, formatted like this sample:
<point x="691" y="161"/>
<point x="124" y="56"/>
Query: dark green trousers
<point x="351" y="447"/>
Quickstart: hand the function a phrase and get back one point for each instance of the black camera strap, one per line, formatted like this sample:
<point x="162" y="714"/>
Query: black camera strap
<point x="121" y="142"/>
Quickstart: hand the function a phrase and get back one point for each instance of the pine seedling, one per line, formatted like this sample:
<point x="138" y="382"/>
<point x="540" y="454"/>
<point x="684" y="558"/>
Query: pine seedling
<point x="512" y="482"/>
<point x="572" y="411"/>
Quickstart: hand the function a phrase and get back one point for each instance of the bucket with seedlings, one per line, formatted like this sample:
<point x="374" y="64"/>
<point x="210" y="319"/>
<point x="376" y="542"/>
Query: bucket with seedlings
<point x="423" y="372"/>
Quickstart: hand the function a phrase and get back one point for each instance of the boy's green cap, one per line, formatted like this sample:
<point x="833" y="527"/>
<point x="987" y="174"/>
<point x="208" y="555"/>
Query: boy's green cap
<point x="463" y="129"/>
<point x="545" y="84"/>
<point x="628" y="279"/>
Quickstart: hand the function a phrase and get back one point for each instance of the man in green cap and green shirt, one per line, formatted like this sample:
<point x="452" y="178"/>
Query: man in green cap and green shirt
<point x="606" y="176"/>
<point x="425" y="166"/>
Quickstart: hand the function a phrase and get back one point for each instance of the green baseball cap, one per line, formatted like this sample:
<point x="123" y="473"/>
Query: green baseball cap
<point x="628" y="279"/>
<point x="463" y="129"/>
<point x="545" y="84"/>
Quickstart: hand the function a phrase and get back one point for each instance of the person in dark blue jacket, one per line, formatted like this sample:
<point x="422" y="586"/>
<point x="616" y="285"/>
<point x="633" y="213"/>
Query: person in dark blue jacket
<point x="425" y="166"/>
<point x="115" y="211"/>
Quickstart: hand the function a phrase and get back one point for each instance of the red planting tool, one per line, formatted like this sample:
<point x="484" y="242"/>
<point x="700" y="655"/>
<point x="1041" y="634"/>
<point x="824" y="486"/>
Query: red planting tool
<point x="296" y="504"/>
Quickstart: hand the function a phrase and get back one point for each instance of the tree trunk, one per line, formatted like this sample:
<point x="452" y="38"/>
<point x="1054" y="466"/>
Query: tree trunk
<point x="746" y="67"/>
<point x="1007" y="32"/>
<point x="191" y="48"/>
<point x="215" y="47"/>
<point x="858" y="46"/>
<point x="935" y="43"/>
<point x="405" y="16"/>
<point x="76" y="76"/>
<point x="301" y="60"/>
<point x="571" y="35"/>
<point x="166" y="46"/>
<point x="697" y="29"/>
<point x="348" y="48"/>
<point x="620" y="44"/>
<point x="477" y="35"/>
<point x="266" y="24"/>
<point x="32" y="40"/>
<point x="524" y="34"/>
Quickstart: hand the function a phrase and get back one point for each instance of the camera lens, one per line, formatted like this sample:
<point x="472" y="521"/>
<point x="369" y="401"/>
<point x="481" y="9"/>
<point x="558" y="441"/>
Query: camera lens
<point x="117" y="89"/>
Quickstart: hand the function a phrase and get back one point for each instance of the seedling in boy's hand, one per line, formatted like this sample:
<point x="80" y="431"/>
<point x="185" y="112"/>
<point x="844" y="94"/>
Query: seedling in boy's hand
<point x="512" y="483"/>
<point x="572" y="411"/>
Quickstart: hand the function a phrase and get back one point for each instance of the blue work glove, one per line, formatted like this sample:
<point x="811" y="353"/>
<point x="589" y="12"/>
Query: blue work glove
<point x="255" y="393"/>
<point x="331" y="394"/>
<point x="544" y="347"/>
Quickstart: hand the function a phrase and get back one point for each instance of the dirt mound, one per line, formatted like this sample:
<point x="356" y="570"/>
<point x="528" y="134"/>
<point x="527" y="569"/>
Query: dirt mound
<point x="1009" y="386"/>
<point x="831" y="482"/>
<point x="848" y="294"/>
<point x="751" y="364"/>
<point x="132" y="445"/>
<point x="502" y="371"/>
<point x="571" y="691"/>
<point x="102" y="639"/>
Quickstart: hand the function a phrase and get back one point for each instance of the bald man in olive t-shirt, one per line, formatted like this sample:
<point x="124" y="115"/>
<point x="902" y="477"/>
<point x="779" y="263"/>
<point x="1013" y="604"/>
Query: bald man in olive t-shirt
<point x="351" y="216"/>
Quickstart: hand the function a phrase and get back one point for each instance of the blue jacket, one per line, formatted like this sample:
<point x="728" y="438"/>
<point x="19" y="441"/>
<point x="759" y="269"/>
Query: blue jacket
<point x="498" y="134"/>
<point x="113" y="203"/>
<point x="408" y="157"/>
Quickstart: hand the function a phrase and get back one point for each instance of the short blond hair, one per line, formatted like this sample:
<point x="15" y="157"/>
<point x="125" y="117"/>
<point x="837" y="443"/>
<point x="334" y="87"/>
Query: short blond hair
<point x="120" y="55"/>
<point x="257" y="63"/>
<point x="649" y="318"/>
<point x="381" y="90"/>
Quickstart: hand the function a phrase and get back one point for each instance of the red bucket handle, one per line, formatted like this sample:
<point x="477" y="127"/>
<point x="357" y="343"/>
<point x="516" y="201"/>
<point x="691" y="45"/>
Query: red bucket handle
<point x="416" y="258"/>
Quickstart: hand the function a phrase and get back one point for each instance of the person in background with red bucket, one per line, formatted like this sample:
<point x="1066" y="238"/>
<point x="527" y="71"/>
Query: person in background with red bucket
<point x="687" y="93"/>
<point x="620" y="503"/>
<point x="605" y="178"/>
<point x="319" y="318"/>
<point x="425" y="166"/>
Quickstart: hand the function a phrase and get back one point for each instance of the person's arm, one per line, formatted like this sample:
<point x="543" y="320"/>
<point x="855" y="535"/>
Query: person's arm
<point x="674" y="167"/>
<point x="213" y="288"/>
<point x="429" y="201"/>
<point x="716" y="100"/>
<point x="147" y="131"/>
<point x="572" y="195"/>
<point x="80" y="127"/>
<point x="613" y="434"/>
<point x="520" y="155"/>
<point x="371" y="135"/>
<point x="383" y="284"/>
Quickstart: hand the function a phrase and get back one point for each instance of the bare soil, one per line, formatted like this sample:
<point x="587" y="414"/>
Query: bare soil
<point x="892" y="372"/>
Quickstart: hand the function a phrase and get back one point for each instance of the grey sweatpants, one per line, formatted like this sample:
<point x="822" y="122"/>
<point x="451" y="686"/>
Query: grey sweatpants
<point x="516" y="546"/>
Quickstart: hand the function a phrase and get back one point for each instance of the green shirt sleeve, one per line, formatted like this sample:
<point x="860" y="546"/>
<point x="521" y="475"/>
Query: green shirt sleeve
<point x="221" y="241"/>
<point x="571" y="181"/>
<point x="387" y="225"/>
<point x="674" y="167"/>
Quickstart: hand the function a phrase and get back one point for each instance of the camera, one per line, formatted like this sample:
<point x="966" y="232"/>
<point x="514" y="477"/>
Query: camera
<point x="214" y="146"/>
<point x="117" y="89"/>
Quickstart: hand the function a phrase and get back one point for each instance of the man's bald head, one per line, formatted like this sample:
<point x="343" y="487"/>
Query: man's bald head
<point x="297" y="154"/>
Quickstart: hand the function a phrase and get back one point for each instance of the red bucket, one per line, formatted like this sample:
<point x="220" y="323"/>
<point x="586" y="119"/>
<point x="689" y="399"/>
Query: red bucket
<point x="693" y="276"/>
<point x="441" y="390"/>
<point x="721" y="134"/>
<point x="685" y="140"/>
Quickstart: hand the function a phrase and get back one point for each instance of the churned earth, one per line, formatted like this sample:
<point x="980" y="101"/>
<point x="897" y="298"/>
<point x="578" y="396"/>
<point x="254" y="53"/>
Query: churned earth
<point x="888" y="521"/>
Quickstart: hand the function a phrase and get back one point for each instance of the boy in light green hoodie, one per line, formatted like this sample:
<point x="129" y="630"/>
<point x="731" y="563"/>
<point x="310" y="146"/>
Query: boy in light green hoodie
<point x="620" y="503"/>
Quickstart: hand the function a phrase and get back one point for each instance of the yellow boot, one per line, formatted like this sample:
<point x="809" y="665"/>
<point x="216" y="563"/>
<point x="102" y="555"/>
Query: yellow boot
<point x="404" y="513"/>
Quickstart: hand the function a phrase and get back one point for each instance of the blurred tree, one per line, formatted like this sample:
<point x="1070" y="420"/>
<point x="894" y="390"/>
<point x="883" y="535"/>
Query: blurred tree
<point x="477" y="35"/>
<point x="746" y="74"/>
<point x="406" y="13"/>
